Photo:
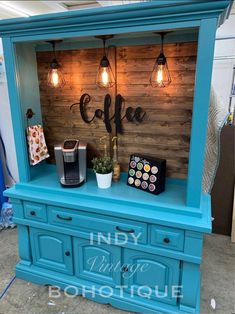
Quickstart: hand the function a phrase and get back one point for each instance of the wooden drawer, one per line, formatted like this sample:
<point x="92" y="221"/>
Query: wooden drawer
<point x="35" y="211"/>
<point x="99" y="224"/>
<point x="169" y="238"/>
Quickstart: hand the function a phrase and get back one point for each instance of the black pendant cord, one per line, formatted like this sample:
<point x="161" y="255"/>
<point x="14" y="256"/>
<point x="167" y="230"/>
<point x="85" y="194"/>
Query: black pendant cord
<point x="53" y="45"/>
<point x="118" y="109"/>
<point x="115" y="73"/>
<point x="162" y="40"/>
<point x="104" y="46"/>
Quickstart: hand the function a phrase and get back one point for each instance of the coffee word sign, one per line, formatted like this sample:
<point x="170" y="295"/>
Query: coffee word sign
<point x="132" y="115"/>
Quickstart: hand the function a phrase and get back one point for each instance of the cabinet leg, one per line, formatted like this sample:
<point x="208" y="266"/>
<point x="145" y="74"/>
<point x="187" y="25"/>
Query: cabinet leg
<point x="190" y="287"/>
<point x="24" y="245"/>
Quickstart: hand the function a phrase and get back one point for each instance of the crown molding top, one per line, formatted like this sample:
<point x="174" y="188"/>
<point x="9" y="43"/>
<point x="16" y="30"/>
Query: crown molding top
<point x="117" y="17"/>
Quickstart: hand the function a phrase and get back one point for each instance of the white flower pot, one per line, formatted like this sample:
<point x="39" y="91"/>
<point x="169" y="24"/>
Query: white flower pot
<point x="104" y="180"/>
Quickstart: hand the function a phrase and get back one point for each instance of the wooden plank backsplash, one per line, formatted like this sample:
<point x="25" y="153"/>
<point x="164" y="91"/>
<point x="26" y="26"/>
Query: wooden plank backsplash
<point x="165" y="132"/>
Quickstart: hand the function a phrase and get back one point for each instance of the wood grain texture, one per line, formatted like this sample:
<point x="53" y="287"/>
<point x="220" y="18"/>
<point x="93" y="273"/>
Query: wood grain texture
<point x="165" y="132"/>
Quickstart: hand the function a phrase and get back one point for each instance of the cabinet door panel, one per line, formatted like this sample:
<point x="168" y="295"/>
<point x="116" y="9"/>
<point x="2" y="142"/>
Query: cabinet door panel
<point x="96" y="262"/>
<point x="151" y="274"/>
<point x="52" y="250"/>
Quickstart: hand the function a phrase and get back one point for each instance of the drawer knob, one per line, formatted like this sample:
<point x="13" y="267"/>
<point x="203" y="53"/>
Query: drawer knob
<point x="125" y="231"/>
<point x="33" y="213"/>
<point x="166" y="240"/>
<point x="67" y="253"/>
<point x="125" y="269"/>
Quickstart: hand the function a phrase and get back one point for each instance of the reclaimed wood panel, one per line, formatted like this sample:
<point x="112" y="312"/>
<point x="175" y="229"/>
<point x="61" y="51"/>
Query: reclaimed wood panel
<point x="165" y="132"/>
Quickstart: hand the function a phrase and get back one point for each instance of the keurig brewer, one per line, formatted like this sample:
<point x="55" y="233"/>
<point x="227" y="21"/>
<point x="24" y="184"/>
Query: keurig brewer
<point x="71" y="162"/>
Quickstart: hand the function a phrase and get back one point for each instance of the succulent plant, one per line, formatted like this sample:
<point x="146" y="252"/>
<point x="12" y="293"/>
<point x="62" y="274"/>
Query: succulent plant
<point x="102" y="165"/>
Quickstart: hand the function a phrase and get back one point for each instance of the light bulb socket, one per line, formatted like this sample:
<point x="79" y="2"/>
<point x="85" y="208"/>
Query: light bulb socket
<point x="54" y="64"/>
<point x="104" y="63"/>
<point x="161" y="59"/>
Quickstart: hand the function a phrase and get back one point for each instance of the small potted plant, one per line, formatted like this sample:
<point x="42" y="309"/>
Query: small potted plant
<point x="103" y="168"/>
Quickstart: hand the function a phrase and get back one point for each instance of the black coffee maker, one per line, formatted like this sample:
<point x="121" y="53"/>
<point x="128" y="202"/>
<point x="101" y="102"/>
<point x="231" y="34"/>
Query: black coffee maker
<point x="71" y="162"/>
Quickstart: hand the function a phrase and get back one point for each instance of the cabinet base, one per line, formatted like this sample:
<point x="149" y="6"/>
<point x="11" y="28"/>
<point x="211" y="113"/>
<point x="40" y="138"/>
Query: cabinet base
<point x="92" y="291"/>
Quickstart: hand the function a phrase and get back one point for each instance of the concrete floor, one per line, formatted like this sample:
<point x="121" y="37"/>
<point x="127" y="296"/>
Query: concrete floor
<point x="218" y="282"/>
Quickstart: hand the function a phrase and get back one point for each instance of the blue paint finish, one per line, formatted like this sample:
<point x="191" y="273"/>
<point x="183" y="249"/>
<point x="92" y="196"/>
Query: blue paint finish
<point x="54" y="224"/>
<point x="18" y="210"/>
<point x="193" y="243"/>
<point x="96" y="223"/>
<point x="190" y="287"/>
<point x="28" y="82"/>
<point x="121" y="17"/>
<point x="44" y="277"/>
<point x="172" y="199"/>
<point x="189" y="257"/>
<point x="16" y="113"/>
<point x="205" y="58"/>
<point x="156" y="271"/>
<point x="126" y="201"/>
<point x="52" y="250"/>
<point x="91" y="260"/>
<point x="115" y="31"/>
<point x="35" y="211"/>
<point x="168" y="238"/>
<point x="24" y="244"/>
<point x="128" y="40"/>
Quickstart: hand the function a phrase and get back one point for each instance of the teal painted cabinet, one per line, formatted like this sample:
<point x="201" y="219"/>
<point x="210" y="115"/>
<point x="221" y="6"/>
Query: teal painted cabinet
<point x="135" y="251"/>
<point x="96" y="262"/>
<point x="157" y="277"/>
<point x="51" y="250"/>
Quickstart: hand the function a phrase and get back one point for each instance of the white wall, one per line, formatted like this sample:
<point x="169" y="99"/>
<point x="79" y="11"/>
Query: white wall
<point x="224" y="60"/>
<point x="6" y="127"/>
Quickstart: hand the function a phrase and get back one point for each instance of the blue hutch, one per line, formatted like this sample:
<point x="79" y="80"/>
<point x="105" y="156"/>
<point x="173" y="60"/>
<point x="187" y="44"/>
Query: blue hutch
<point x="54" y="224"/>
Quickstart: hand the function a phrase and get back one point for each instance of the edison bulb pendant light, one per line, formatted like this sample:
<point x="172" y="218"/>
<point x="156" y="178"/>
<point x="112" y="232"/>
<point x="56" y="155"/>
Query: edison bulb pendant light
<point x="160" y="76"/>
<point x="55" y="77"/>
<point x="105" y="77"/>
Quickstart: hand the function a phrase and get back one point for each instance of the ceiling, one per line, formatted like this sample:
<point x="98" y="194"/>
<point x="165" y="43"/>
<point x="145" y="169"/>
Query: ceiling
<point x="13" y="9"/>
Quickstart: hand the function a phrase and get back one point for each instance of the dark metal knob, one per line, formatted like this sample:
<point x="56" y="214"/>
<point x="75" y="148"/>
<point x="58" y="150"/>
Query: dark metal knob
<point x="33" y="213"/>
<point x="125" y="269"/>
<point x="67" y="253"/>
<point x="166" y="240"/>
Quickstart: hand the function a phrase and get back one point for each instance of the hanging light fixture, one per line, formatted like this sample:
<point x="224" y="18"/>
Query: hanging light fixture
<point x="105" y="77"/>
<point x="55" y="78"/>
<point x="160" y="76"/>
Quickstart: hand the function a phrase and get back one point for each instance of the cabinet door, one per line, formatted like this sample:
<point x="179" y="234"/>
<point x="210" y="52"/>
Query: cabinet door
<point x="97" y="262"/>
<point x="151" y="275"/>
<point x="52" y="250"/>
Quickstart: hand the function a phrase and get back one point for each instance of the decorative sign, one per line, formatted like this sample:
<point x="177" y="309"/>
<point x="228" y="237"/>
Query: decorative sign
<point x="147" y="173"/>
<point x="132" y="115"/>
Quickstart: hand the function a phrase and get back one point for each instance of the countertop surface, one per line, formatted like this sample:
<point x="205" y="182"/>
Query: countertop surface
<point x="120" y="200"/>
